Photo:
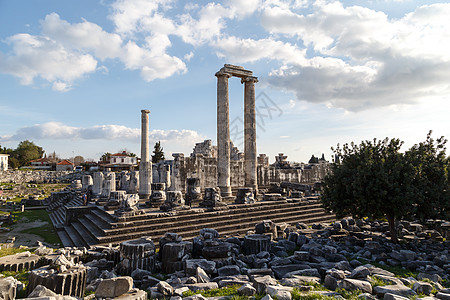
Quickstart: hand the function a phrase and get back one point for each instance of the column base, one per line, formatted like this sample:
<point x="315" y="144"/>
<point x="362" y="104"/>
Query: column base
<point x="144" y="196"/>
<point x="225" y="191"/>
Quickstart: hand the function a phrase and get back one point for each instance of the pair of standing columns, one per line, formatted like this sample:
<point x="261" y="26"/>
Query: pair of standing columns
<point x="223" y="133"/>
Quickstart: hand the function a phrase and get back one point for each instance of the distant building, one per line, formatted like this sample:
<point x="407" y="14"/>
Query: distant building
<point x="42" y="164"/>
<point x="121" y="161"/>
<point x="4" y="162"/>
<point x="64" y="165"/>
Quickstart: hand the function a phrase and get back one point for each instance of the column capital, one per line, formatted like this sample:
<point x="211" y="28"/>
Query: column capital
<point x="221" y="72"/>
<point x="145" y="111"/>
<point x="249" y="79"/>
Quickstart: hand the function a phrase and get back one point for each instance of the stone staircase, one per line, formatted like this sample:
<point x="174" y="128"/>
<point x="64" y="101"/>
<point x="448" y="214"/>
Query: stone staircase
<point x="99" y="227"/>
<point x="57" y="213"/>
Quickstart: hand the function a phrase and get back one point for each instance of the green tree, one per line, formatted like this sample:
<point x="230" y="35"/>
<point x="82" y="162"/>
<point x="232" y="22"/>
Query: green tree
<point x="431" y="181"/>
<point x="158" y="153"/>
<point x="374" y="179"/>
<point x="27" y="151"/>
<point x="106" y="157"/>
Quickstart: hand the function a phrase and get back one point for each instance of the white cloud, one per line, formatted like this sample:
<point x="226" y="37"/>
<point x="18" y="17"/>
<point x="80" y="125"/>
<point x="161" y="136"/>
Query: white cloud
<point x="361" y="58"/>
<point x="82" y="36"/>
<point x="39" y="56"/>
<point x="60" y="131"/>
<point x="250" y="50"/>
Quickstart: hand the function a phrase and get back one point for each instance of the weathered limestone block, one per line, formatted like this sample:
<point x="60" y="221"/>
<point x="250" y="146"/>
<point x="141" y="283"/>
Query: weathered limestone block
<point x="114" y="287"/>
<point x="255" y="243"/>
<point x="193" y="191"/>
<point x="191" y="266"/>
<point x="217" y="250"/>
<point x="245" y="195"/>
<point x="8" y="288"/>
<point x="19" y="261"/>
<point x="158" y="195"/>
<point x="173" y="254"/>
<point x="266" y="226"/>
<point x="212" y="198"/>
<point x="262" y="282"/>
<point x="129" y="206"/>
<point x="62" y="277"/>
<point x="174" y="199"/>
<point x="397" y="289"/>
<point x="137" y="254"/>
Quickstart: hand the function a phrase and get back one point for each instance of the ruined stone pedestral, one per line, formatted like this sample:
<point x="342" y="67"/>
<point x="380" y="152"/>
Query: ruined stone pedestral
<point x="145" y="166"/>
<point x="158" y="195"/>
<point x="245" y="196"/>
<point x="109" y="184"/>
<point x="98" y="183"/>
<point x="86" y="181"/>
<point x="174" y="200"/>
<point x="133" y="187"/>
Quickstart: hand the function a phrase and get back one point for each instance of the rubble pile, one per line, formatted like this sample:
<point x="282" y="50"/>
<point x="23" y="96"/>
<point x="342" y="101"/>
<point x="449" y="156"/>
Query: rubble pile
<point x="277" y="260"/>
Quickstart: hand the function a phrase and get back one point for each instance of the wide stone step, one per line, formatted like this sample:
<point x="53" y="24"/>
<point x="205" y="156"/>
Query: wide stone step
<point x="74" y="236"/>
<point x="218" y="220"/>
<point x="261" y="205"/>
<point x="65" y="239"/>
<point x="90" y="228"/>
<point x="228" y="213"/>
<point x="96" y="223"/>
<point x="84" y="234"/>
<point x="224" y="226"/>
<point x="105" y="218"/>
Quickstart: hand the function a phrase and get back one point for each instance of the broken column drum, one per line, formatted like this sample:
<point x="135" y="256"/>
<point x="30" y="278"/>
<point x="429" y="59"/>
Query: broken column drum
<point x="61" y="276"/>
<point x="223" y="128"/>
<point x="139" y="254"/>
<point x="145" y="166"/>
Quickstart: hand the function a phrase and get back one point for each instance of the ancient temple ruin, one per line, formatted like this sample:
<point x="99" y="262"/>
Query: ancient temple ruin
<point x="223" y="128"/>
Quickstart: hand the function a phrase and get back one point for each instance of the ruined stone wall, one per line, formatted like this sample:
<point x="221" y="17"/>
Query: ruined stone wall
<point x="205" y="168"/>
<point x="17" y="176"/>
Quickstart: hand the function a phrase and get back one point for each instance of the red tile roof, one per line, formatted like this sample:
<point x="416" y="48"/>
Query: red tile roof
<point x="65" y="162"/>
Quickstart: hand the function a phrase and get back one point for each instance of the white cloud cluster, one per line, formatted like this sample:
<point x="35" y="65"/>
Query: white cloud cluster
<point x="362" y="58"/>
<point x="350" y="57"/>
<point x="60" y="131"/>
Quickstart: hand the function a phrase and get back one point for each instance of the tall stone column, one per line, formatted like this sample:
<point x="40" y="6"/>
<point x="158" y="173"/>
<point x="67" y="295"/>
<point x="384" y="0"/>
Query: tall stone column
<point x="145" y="166"/>
<point x="223" y="135"/>
<point x="250" y="155"/>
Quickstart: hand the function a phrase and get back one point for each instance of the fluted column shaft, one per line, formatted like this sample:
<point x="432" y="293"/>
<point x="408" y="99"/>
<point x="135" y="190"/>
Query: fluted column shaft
<point x="250" y="153"/>
<point x="145" y="166"/>
<point x="223" y="135"/>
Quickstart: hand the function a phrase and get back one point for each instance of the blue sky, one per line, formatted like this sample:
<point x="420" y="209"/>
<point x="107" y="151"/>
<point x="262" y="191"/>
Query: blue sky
<point x="74" y="75"/>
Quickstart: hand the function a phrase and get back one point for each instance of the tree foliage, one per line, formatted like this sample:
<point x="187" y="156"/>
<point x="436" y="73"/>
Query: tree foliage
<point x="374" y="179"/>
<point x="23" y="154"/>
<point x="158" y="153"/>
